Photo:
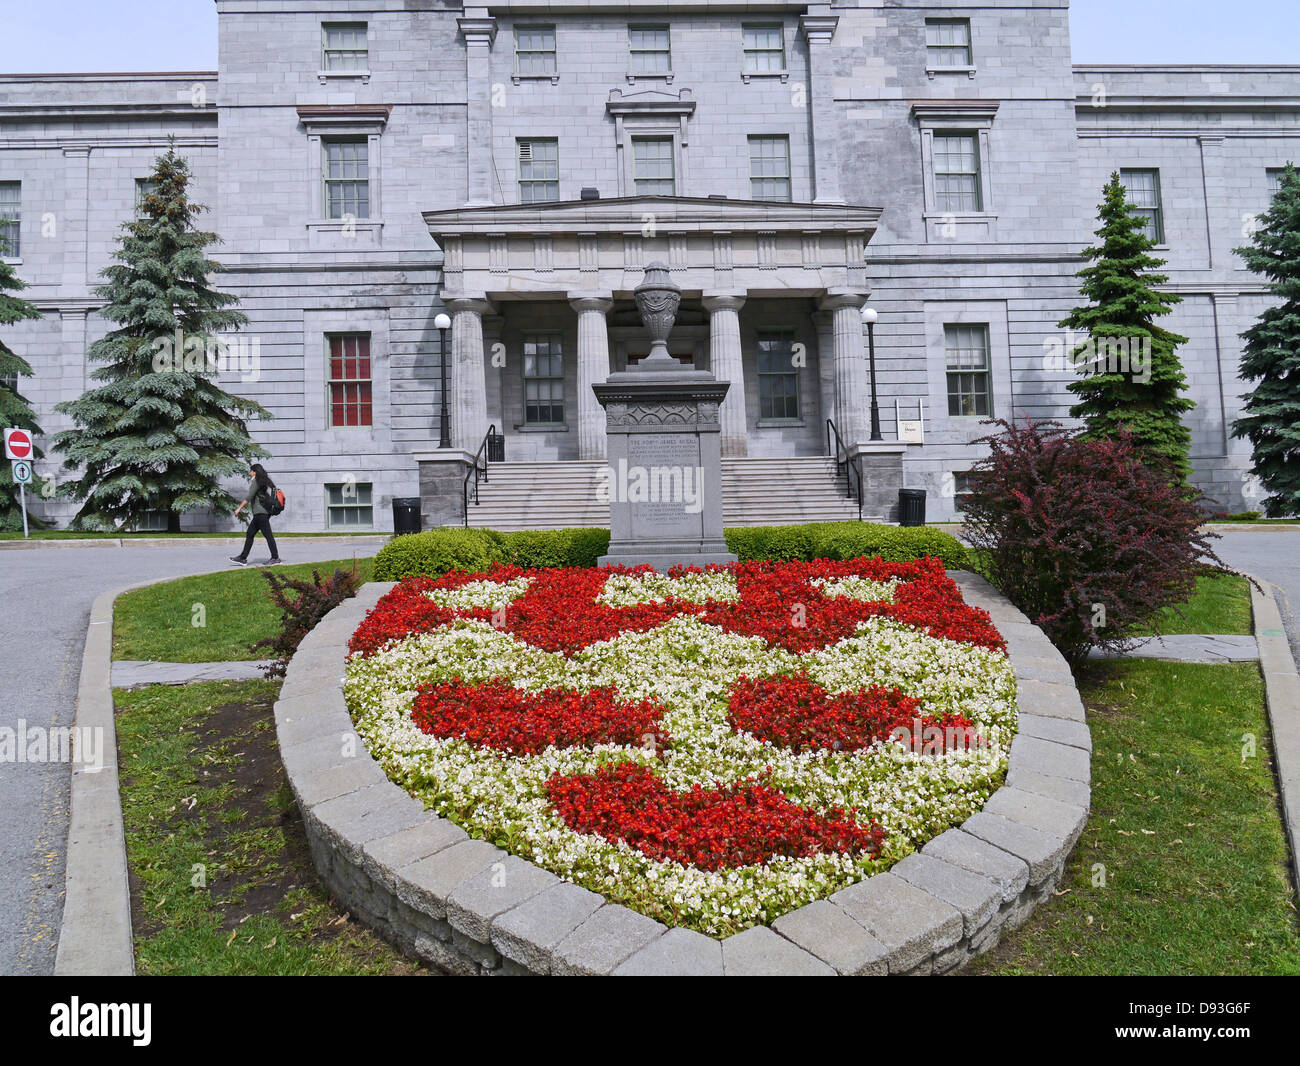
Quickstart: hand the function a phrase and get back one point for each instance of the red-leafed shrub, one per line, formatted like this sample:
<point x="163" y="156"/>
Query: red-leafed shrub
<point x="498" y="715"/>
<point x="711" y="828"/>
<point x="1086" y="537"/>
<point x="797" y="713"/>
<point x="302" y="604"/>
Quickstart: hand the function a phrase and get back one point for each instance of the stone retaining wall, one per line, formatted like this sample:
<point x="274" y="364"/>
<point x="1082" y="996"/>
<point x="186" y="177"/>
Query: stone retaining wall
<point x="468" y="907"/>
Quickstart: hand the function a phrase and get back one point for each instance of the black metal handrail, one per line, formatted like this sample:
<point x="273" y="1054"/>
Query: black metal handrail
<point x="478" y="471"/>
<point x="845" y="464"/>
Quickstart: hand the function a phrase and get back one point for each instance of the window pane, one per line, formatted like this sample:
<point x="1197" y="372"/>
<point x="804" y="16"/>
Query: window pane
<point x="543" y="378"/>
<point x="11" y="211"/>
<point x="966" y="355"/>
<point x="1143" y="189"/>
<point x="347" y="184"/>
<point x="649" y="50"/>
<point x="350" y="388"/>
<point x="778" y="379"/>
<point x="764" y="46"/>
<point x="653" y="166"/>
<point x="539" y="169"/>
<point x="769" y="168"/>
<point x="956" y="173"/>
<point x="535" y="49"/>
<point x="345" y="46"/>
<point x="948" y="43"/>
<point x="349" y="504"/>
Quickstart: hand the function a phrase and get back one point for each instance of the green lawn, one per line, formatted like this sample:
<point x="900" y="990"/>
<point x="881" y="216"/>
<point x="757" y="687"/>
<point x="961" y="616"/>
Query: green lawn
<point x="1221" y="604"/>
<point x="1187" y="830"/>
<point x="221" y="878"/>
<point x="160" y="623"/>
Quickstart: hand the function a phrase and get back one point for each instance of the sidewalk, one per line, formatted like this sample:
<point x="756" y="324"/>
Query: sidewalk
<point x="1190" y="648"/>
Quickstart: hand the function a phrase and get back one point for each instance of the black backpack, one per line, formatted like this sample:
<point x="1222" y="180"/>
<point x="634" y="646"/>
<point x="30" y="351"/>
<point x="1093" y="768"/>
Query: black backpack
<point x="272" y="499"/>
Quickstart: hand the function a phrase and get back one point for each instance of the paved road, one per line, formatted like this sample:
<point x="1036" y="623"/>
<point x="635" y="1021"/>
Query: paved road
<point x="47" y="593"/>
<point x="1273" y="555"/>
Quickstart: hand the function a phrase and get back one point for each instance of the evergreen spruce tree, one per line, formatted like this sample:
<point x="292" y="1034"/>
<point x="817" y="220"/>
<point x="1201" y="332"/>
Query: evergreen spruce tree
<point x="1124" y="306"/>
<point x="14" y="410"/>
<point x="158" y="434"/>
<point x="1271" y="358"/>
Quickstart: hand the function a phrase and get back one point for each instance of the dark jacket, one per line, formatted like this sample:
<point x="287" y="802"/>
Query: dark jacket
<point x="253" y="501"/>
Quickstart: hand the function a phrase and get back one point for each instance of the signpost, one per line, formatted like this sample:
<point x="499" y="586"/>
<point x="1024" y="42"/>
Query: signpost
<point x="20" y="449"/>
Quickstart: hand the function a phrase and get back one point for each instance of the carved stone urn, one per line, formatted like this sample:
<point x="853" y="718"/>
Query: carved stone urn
<point x="657" y="299"/>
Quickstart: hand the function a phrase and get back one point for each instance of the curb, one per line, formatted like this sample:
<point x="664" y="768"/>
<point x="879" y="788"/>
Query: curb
<point x="95" y="937"/>
<point x="1282" y="695"/>
<point x="470" y="908"/>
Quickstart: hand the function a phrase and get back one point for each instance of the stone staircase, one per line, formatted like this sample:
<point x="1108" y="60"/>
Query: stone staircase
<point x="755" y="492"/>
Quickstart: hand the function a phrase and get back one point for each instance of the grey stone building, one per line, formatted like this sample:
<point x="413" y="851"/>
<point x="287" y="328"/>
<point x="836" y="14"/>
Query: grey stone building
<point x="373" y="164"/>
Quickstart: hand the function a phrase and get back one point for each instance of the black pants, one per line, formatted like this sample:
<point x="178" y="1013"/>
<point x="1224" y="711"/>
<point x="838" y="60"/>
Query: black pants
<point x="262" y="522"/>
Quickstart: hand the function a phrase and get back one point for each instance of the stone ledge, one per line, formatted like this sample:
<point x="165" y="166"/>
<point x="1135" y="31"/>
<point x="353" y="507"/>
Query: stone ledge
<point x="467" y="907"/>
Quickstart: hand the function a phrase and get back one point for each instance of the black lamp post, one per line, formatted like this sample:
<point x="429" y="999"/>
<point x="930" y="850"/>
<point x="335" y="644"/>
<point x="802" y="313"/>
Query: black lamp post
<point x="869" y="317"/>
<point x="442" y="323"/>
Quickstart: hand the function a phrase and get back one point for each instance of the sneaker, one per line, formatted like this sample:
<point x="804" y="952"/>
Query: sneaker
<point x="239" y="559"/>
<point x="274" y="562"/>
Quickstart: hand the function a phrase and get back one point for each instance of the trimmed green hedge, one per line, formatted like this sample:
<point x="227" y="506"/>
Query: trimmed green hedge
<point x="440" y="550"/>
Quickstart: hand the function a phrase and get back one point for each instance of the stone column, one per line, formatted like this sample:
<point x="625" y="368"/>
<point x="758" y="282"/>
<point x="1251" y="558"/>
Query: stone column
<point x="818" y="29"/>
<point x="479" y="33"/>
<point x="850" y="367"/>
<point x="726" y="363"/>
<point x="468" y="385"/>
<point x="593" y="368"/>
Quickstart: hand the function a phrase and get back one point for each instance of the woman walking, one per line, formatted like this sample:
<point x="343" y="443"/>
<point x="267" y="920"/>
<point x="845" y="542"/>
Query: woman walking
<point x="260" y="488"/>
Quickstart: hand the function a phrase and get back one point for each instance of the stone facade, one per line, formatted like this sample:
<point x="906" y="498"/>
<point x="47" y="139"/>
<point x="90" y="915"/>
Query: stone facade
<point x="440" y="103"/>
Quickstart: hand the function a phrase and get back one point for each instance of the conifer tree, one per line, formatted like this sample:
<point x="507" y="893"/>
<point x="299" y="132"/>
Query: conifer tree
<point x="14" y="409"/>
<point x="1132" y="378"/>
<point x="159" y="434"/>
<point x="1271" y="357"/>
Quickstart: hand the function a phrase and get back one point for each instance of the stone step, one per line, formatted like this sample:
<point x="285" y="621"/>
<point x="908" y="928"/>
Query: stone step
<point x="755" y="491"/>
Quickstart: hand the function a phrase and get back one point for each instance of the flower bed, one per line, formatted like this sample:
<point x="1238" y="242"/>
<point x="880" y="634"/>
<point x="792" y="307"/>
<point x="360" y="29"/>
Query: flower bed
<point x="712" y="748"/>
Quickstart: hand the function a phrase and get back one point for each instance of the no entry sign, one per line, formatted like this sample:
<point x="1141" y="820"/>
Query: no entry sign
<point x="18" y="444"/>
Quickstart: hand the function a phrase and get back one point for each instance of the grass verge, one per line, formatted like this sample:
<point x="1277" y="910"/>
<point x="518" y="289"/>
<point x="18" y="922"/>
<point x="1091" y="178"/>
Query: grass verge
<point x="1182" y="868"/>
<point x="1221" y="604"/>
<point x="161" y="623"/>
<point x="222" y="881"/>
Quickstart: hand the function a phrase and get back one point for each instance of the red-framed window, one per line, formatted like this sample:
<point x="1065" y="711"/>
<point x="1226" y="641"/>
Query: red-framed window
<point x="350" y="384"/>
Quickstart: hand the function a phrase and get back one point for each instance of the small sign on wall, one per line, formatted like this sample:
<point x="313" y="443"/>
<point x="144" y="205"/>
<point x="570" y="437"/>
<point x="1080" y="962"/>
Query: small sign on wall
<point x="911" y="430"/>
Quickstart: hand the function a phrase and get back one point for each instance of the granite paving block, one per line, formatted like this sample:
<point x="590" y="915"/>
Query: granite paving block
<point x="969" y="852"/>
<point x="910" y="922"/>
<point x="975" y="896"/>
<point x="604" y="940"/>
<point x="528" y="933"/>
<point x="759" y="952"/>
<point x="824" y="930"/>
<point x="678" y="953"/>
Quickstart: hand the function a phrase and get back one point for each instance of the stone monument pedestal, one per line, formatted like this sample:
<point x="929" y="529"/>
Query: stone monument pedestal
<point x="664" y="475"/>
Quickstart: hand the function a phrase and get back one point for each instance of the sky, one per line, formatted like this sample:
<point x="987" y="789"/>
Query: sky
<point x="54" y="36"/>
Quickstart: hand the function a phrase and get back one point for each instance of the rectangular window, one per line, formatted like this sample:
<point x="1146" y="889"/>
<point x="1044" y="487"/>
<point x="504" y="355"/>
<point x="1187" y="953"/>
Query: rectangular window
<point x="778" y="379"/>
<point x="1143" y="188"/>
<point x="349" y="505"/>
<point x="648" y="50"/>
<point x="957" y="173"/>
<point x="347" y="179"/>
<point x="769" y="168"/>
<point x="144" y="188"/>
<point x="11" y="216"/>
<point x="346" y="47"/>
<point x="151" y="522"/>
<point x="543" y="379"/>
<point x="652" y="166"/>
<point x="535" y="50"/>
<point x="966" y="355"/>
<point x="349" y="380"/>
<point x="1275" y="176"/>
<point x="960" y="490"/>
<point x="947" y="43"/>
<point x="539" y="169"/>
<point x="10" y="381"/>
<point x="764" y="47"/>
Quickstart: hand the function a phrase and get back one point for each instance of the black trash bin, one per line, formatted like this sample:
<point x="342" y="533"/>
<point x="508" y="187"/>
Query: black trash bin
<point x="911" y="507"/>
<point x="406" y="514"/>
<point x="496" y="448"/>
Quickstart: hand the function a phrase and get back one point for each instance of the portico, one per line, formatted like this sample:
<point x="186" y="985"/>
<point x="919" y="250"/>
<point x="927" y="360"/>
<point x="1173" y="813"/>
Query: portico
<point x="774" y="284"/>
